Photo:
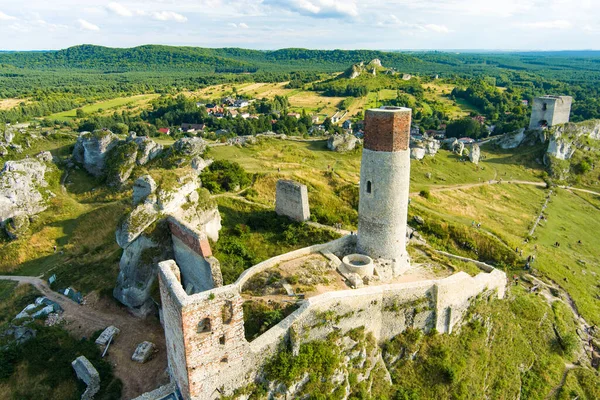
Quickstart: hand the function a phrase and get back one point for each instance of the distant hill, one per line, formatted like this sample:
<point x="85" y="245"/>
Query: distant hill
<point x="561" y="65"/>
<point x="157" y="58"/>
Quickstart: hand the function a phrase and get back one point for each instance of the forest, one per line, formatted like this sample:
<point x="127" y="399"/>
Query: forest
<point x="54" y="81"/>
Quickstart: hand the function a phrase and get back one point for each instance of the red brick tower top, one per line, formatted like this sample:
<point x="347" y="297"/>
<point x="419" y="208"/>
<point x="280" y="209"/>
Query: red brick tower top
<point x="387" y="129"/>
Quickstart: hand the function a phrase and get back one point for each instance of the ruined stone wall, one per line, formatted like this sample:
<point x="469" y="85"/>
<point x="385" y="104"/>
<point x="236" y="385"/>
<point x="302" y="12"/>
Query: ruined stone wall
<point x="199" y="270"/>
<point x="292" y="200"/>
<point x="216" y="347"/>
<point x="552" y="109"/>
<point x="220" y="359"/>
<point x="171" y="294"/>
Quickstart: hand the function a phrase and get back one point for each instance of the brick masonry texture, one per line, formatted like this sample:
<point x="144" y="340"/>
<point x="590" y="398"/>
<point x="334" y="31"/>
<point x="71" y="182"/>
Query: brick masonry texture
<point x="387" y="129"/>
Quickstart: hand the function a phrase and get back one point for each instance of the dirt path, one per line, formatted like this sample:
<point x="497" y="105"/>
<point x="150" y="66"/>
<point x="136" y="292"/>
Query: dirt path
<point x="97" y="314"/>
<point x="580" y="190"/>
<point x="568" y="367"/>
<point x="472" y="185"/>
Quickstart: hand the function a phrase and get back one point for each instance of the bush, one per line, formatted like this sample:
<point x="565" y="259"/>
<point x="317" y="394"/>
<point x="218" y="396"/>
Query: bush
<point x="425" y="194"/>
<point x="224" y="176"/>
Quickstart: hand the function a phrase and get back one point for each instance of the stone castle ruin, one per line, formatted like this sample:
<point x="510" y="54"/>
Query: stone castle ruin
<point x="209" y="354"/>
<point x="292" y="200"/>
<point x="548" y="111"/>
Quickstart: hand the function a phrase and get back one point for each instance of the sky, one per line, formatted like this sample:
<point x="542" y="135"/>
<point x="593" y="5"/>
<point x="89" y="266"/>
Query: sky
<point x="318" y="24"/>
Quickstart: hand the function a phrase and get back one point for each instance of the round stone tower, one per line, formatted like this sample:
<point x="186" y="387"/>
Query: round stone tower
<point x="384" y="185"/>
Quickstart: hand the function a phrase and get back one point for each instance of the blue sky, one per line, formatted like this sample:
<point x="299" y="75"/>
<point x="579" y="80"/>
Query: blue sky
<point x="322" y="24"/>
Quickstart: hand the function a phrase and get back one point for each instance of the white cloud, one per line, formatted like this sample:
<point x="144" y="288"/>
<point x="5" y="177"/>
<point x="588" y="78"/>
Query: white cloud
<point x="6" y="17"/>
<point x="558" y="24"/>
<point x="437" y="28"/>
<point x="318" y="8"/>
<point x="243" y="25"/>
<point x="88" y="26"/>
<point x="504" y="8"/>
<point x="168" y="16"/>
<point x="119" y="9"/>
<point x="393" y="21"/>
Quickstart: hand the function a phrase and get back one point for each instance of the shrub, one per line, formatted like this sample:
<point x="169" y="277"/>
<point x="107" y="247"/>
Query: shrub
<point x="223" y="176"/>
<point x="425" y="194"/>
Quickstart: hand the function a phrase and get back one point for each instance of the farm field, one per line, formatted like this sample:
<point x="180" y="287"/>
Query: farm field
<point x="6" y="104"/>
<point x="132" y="103"/>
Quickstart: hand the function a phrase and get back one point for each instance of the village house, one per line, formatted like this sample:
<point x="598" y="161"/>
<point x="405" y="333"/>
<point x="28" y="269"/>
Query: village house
<point x="292" y="114"/>
<point x="347" y="124"/>
<point x="315" y="119"/>
<point x="191" y="128"/>
<point x="165" y="131"/>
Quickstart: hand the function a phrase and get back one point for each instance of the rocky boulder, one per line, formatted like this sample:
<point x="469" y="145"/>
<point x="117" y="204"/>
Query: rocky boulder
<point x="102" y="154"/>
<point x="564" y="140"/>
<point x="9" y="135"/>
<point x="147" y="151"/>
<point x="417" y="153"/>
<point x="512" y="140"/>
<point x="449" y="143"/>
<point x="199" y="164"/>
<point x="91" y="149"/>
<point x="17" y="226"/>
<point x="421" y="147"/>
<point x="22" y="192"/>
<point x="342" y="143"/>
<point x="458" y="148"/>
<point x="475" y="153"/>
<point x="189" y="146"/>
<point x="143" y="187"/>
<point x="145" y="237"/>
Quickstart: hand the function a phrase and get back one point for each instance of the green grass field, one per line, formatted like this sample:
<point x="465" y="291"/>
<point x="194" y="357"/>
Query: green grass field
<point x="112" y="105"/>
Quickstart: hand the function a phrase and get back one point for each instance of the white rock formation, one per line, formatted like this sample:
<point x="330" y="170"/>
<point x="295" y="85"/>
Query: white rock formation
<point x="21" y="188"/>
<point x="91" y="150"/>
<point x="145" y="237"/>
<point x="417" y="153"/>
<point x="475" y="153"/>
<point x="143" y="187"/>
<point x="342" y="143"/>
<point x="512" y="140"/>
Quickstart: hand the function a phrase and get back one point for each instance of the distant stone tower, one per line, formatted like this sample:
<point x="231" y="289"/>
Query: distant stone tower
<point x="384" y="185"/>
<point x="548" y="111"/>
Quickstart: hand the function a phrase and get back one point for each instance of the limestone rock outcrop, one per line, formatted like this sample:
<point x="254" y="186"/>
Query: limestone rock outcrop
<point x="342" y="143"/>
<point x="417" y="153"/>
<point x="22" y="193"/>
<point x="475" y="153"/>
<point x="449" y="143"/>
<point x="421" y="147"/>
<point x="102" y="154"/>
<point x="92" y="148"/>
<point x="145" y="237"/>
<point x="459" y="148"/>
<point x="143" y="187"/>
<point x="512" y="140"/>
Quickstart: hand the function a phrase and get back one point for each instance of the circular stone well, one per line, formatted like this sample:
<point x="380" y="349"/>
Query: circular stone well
<point x="359" y="264"/>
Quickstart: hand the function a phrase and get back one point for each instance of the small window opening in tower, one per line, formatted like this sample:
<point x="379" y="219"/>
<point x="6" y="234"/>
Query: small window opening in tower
<point x="544" y="107"/>
<point x="204" y="326"/>
<point x="222" y="340"/>
<point x="369" y="187"/>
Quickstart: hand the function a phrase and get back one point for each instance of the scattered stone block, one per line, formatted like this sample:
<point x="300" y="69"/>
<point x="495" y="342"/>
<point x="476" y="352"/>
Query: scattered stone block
<point x="355" y="281"/>
<point x="89" y="375"/>
<point x="106" y="335"/>
<point x="143" y="352"/>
